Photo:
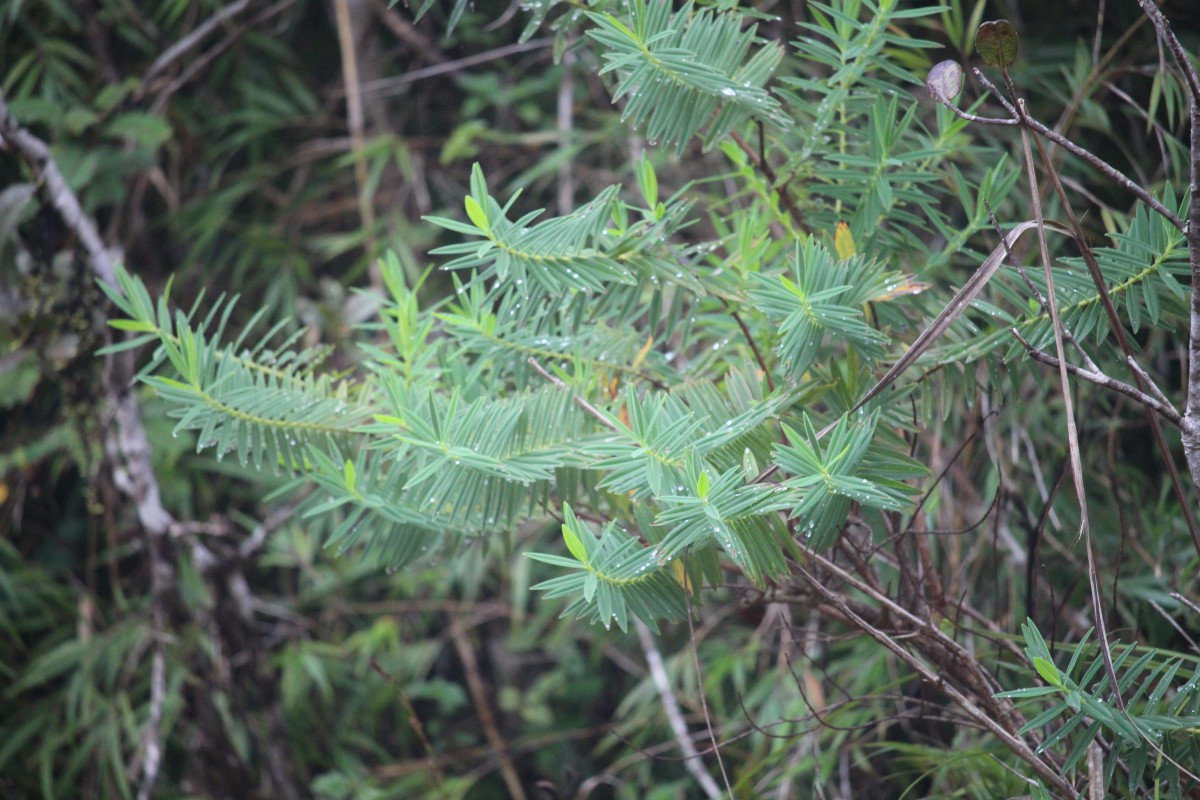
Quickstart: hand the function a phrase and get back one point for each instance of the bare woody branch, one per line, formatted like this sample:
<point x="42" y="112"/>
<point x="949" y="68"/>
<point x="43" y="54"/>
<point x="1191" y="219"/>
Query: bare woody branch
<point x="1191" y="426"/>
<point x="127" y="445"/>
<point x="1165" y="410"/>
<point x="1103" y="166"/>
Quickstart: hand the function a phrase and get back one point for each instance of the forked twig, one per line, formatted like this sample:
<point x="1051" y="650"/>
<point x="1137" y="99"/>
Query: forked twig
<point x="1152" y="403"/>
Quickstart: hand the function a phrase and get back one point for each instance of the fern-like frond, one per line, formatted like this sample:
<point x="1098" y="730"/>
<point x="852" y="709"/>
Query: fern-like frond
<point x="1081" y="708"/>
<point x="729" y="512"/>
<point x="646" y="457"/>
<point x="831" y="475"/>
<point x="733" y="416"/>
<point x="498" y="331"/>
<point x="482" y="465"/>
<point x="822" y="297"/>
<point x="612" y="576"/>
<point x="555" y="255"/>
<point x="269" y="404"/>
<point x="679" y="70"/>
<point x="857" y="65"/>
<point x="369" y="492"/>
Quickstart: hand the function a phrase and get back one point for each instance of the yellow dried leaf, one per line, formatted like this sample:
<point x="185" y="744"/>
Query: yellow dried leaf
<point x="641" y="356"/>
<point x="843" y="241"/>
<point x="681" y="575"/>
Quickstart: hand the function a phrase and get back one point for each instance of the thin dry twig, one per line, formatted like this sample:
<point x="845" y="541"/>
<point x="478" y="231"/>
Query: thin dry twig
<point x="389" y="86"/>
<point x="1103" y="166"/>
<point x="1072" y="432"/>
<point x="356" y="124"/>
<point x="712" y="734"/>
<point x="406" y="32"/>
<point x="579" y="401"/>
<point x="692" y="761"/>
<point x="1073" y="450"/>
<point x="415" y="721"/>
<point x="1051" y="301"/>
<point x="1141" y="379"/>
<point x="1163" y="26"/>
<point x="198" y="62"/>
<point x="192" y="40"/>
<point x="932" y="677"/>
<point x="483" y="708"/>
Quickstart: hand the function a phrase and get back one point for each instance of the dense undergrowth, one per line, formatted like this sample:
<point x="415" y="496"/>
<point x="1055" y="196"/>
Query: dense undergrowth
<point x="745" y="469"/>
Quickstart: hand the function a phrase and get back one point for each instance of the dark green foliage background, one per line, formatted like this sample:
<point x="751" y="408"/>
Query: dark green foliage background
<point x="239" y="178"/>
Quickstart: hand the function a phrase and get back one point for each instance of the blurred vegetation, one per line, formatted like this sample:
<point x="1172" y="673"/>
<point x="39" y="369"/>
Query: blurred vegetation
<point x="216" y="143"/>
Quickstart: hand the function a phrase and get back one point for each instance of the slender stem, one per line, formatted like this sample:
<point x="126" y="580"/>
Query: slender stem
<point x="662" y="684"/>
<point x="758" y="356"/>
<point x="483" y="708"/>
<point x="762" y="165"/>
<point x="579" y="401"/>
